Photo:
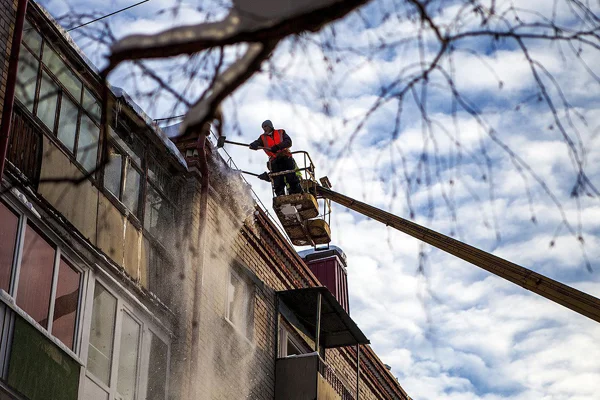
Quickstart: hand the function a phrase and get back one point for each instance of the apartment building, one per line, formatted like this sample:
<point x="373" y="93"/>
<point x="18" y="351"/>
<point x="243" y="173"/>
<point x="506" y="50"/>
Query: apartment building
<point x="124" y="275"/>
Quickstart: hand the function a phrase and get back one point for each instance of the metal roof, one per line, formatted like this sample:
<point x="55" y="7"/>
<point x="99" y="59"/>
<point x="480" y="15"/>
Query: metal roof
<point x="323" y="252"/>
<point x="337" y="328"/>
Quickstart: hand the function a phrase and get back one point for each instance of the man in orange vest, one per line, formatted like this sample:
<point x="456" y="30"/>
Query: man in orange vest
<point x="276" y="143"/>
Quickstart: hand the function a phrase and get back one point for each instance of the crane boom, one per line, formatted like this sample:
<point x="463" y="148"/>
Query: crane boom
<point x="567" y="296"/>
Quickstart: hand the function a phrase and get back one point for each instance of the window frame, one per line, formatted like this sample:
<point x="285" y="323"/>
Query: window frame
<point x="163" y="197"/>
<point x="148" y="327"/>
<point x="250" y="291"/>
<point x="62" y="91"/>
<point x="154" y="184"/>
<point x="287" y="335"/>
<point x="155" y="249"/>
<point x="149" y="156"/>
<point x="137" y="216"/>
<point x="61" y="251"/>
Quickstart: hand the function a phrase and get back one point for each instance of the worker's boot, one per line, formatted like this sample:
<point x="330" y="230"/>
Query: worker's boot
<point x="295" y="189"/>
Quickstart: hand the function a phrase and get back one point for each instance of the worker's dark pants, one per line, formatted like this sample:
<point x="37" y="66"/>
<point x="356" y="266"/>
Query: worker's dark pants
<point x="284" y="163"/>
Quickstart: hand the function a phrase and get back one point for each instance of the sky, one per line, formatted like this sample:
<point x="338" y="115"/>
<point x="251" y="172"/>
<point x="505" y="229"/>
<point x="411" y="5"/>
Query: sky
<point x="448" y="329"/>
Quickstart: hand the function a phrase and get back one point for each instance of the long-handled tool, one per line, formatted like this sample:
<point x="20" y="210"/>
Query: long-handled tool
<point x="264" y="176"/>
<point x="222" y="140"/>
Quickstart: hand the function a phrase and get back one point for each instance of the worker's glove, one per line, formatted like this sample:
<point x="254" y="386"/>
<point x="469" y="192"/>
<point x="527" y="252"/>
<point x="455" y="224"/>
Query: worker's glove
<point x="253" y="146"/>
<point x="275" y="148"/>
<point x="264" y="176"/>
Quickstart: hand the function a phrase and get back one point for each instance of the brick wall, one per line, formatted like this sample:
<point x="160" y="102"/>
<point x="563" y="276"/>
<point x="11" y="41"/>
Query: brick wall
<point x="8" y="9"/>
<point x="231" y="365"/>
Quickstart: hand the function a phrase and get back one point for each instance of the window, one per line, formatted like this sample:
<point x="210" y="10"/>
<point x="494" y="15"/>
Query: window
<point x="65" y="304"/>
<point x="8" y="240"/>
<point x="112" y="171"/>
<point x="101" y="334"/>
<point x="123" y="173"/>
<point x="240" y="304"/>
<point x="62" y="71"/>
<point x="26" y="79"/>
<point x="62" y="105"/>
<point x="87" y="146"/>
<point x="47" y="101"/>
<point x="46" y="284"/>
<point x="157" y="369"/>
<point x="159" y="215"/>
<point x="159" y="209"/>
<point x="126" y="359"/>
<point x="160" y="271"/>
<point x="35" y="276"/>
<point x="289" y="344"/>
<point x="67" y="123"/>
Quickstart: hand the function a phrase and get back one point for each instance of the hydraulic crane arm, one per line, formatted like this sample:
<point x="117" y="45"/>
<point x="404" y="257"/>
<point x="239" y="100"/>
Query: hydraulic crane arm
<point x="573" y="299"/>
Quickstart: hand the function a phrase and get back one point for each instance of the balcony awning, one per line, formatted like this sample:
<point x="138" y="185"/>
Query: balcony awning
<point x="337" y="328"/>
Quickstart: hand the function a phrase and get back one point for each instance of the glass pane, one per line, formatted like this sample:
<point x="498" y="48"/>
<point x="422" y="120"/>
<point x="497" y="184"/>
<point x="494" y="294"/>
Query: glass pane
<point x="91" y="391"/>
<point x="158" y="273"/>
<point x="131" y="194"/>
<point x="66" y="303"/>
<point x="101" y="334"/>
<point x="236" y="300"/>
<point x="8" y="239"/>
<point x="157" y="369"/>
<point x="67" y="124"/>
<point x="131" y="146"/>
<point x="160" y="177"/>
<point x="128" y="357"/>
<point x="26" y="78"/>
<point x="46" y="110"/>
<point x="292" y="349"/>
<point x="112" y="172"/>
<point x="88" y="143"/>
<point x="62" y="72"/>
<point x="92" y="105"/>
<point x="159" y="216"/>
<point x="32" y="38"/>
<point x="239" y="307"/>
<point x="35" y="276"/>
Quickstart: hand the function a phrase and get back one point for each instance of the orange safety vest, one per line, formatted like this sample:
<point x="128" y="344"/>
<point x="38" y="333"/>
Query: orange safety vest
<point x="270" y="141"/>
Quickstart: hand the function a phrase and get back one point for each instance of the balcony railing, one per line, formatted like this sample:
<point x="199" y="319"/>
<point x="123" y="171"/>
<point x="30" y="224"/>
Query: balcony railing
<point x="308" y="377"/>
<point x="25" y="146"/>
<point x="336" y="382"/>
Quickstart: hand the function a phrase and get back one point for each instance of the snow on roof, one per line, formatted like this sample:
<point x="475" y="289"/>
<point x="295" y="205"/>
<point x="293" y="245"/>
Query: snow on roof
<point x="68" y="38"/>
<point x="172" y="130"/>
<point x="122" y="95"/>
<point x="118" y="92"/>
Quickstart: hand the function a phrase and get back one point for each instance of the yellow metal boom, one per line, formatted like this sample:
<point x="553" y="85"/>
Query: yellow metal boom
<point x="573" y="299"/>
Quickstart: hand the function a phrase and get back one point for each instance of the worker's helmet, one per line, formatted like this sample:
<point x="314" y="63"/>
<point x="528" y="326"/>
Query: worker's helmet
<point x="267" y="123"/>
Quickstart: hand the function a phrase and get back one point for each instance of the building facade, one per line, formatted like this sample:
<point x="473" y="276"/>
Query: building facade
<point x="123" y="275"/>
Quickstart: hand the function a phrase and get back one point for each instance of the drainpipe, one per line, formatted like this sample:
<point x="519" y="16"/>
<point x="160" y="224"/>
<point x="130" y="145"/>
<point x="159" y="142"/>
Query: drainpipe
<point x="357" y="371"/>
<point x="11" y="83"/>
<point x="194" y="362"/>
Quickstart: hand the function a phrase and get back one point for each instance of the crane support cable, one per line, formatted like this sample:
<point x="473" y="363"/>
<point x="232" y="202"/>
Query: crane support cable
<point x="580" y="302"/>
